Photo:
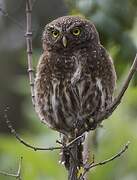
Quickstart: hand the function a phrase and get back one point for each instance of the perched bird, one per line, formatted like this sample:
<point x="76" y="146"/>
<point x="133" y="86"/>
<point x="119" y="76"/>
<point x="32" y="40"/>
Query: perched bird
<point x="75" y="76"/>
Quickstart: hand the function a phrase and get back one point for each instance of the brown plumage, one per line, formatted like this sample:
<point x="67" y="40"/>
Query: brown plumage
<point x="75" y="76"/>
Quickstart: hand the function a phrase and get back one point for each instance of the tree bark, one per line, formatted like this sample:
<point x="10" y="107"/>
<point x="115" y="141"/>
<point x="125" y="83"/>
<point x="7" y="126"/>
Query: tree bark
<point x="75" y="161"/>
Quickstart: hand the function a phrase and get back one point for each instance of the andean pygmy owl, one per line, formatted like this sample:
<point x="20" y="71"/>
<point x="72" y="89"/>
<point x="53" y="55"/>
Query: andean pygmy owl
<point x="75" y="76"/>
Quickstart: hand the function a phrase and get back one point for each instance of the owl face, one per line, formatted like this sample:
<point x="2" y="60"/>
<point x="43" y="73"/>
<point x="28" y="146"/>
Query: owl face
<point x="69" y="33"/>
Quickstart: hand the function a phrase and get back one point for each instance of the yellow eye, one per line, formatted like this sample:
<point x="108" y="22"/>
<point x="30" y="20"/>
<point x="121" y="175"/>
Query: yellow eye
<point x="55" y="33"/>
<point x="76" y="32"/>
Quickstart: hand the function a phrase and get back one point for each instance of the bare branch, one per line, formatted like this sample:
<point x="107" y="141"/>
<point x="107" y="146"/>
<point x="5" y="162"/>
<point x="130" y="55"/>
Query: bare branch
<point x="92" y="164"/>
<point x="17" y="175"/>
<point x="74" y="165"/>
<point x="74" y="140"/>
<point x="67" y="148"/>
<point x="110" y="159"/>
<point x="19" y="169"/>
<point x="22" y="141"/>
<point x="13" y="131"/>
<point x="29" y="47"/>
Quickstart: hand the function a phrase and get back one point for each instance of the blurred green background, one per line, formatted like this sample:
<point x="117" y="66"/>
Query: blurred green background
<point x="116" y="22"/>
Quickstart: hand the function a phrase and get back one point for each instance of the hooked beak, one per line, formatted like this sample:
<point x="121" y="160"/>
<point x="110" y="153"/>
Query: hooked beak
<point x="64" y="41"/>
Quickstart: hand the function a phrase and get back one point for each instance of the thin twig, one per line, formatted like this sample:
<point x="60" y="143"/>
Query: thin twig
<point x="22" y="141"/>
<point x="117" y="100"/>
<point x="17" y="175"/>
<point x="6" y="14"/>
<point x="74" y="140"/>
<point x="92" y="165"/>
<point x="19" y="169"/>
<point x="13" y="131"/>
<point x="28" y="40"/>
<point x="29" y="47"/>
<point x="71" y="142"/>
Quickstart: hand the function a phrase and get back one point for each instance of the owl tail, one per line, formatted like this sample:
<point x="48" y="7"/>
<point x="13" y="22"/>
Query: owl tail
<point x="73" y="154"/>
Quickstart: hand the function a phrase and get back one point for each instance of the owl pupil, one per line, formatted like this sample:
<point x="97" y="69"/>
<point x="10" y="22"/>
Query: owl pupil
<point x="55" y="33"/>
<point x="76" y="32"/>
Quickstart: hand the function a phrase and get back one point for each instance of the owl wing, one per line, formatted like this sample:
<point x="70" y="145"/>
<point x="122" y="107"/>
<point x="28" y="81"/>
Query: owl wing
<point x="103" y="73"/>
<point x="96" y="84"/>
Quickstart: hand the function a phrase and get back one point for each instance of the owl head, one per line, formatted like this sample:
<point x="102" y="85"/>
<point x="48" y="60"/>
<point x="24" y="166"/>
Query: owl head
<point x="68" y="33"/>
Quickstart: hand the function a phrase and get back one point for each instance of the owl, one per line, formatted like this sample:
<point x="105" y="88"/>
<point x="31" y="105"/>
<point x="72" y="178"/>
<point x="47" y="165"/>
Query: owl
<point x="75" y="76"/>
